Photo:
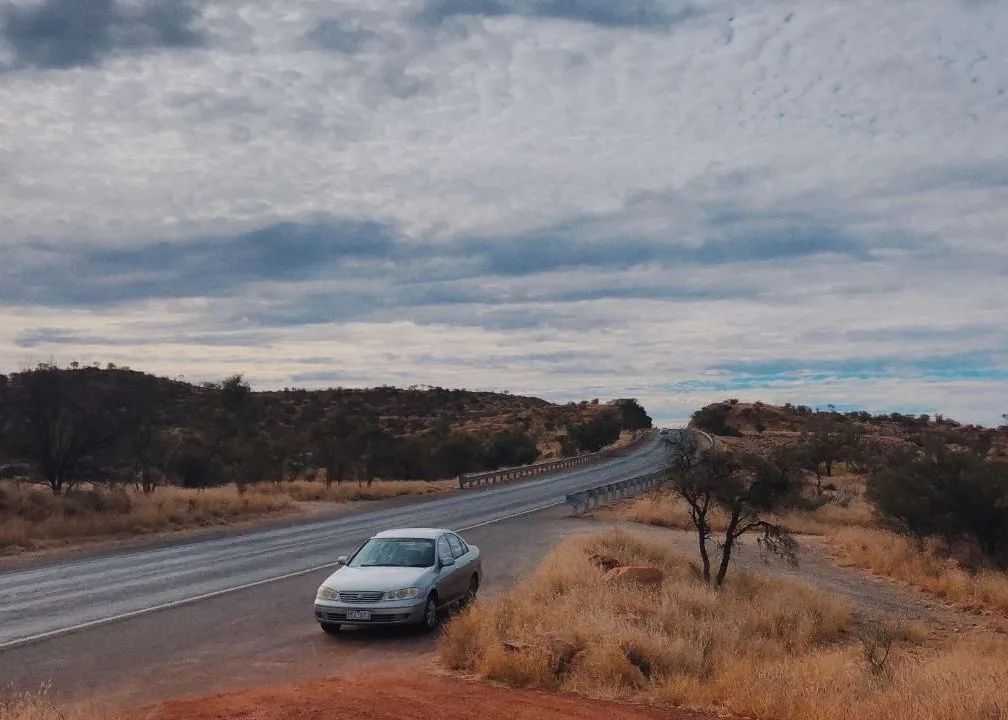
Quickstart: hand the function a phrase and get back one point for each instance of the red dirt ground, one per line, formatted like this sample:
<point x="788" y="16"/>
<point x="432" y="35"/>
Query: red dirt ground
<point x="401" y="696"/>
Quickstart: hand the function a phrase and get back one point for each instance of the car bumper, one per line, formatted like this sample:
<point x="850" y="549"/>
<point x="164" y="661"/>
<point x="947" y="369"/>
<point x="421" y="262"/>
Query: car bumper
<point x="379" y="614"/>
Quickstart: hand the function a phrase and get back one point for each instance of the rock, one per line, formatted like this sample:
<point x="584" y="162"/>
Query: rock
<point x="514" y="646"/>
<point x="605" y="563"/>
<point x="634" y="575"/>
<point x="561" y="651"/>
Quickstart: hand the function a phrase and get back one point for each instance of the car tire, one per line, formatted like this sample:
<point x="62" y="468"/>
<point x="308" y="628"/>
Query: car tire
<point x="330" y="628"/>
<point x="430" y="620"/>
<point x="470" y="595"/>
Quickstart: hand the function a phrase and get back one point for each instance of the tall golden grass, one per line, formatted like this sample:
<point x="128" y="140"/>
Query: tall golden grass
<point x="663" y="509"/>
<point x="305" y="490"/>
<point x="758" y="647"/>
<point x="31" y="517"/>
<point x="894" y="556"/>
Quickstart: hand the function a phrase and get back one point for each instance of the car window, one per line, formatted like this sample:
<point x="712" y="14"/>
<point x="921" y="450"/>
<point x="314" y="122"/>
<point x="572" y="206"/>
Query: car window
<point x="444" y="549"/>
<point x="465" y="548"/>
<point x="456" y="546"/>
<point x="395" y="552"/>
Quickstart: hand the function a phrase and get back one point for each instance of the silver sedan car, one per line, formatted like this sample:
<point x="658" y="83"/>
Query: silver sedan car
<point x="400" y="577"/>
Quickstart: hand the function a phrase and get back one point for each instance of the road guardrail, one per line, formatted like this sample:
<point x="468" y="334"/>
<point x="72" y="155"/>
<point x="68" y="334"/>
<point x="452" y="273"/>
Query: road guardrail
<point x="494" y="477"/>
<point x="593" y="498"/>
<point x="707" y="438"/>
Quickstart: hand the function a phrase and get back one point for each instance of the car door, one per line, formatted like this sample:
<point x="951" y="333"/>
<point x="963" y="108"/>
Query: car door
<point x="448" y="577"/>
<point x="463" y="562"/>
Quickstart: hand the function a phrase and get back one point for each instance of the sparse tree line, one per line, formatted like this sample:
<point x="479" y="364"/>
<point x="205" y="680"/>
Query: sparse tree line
<point x="943" y="482"/>
<point x="116" y="426"/>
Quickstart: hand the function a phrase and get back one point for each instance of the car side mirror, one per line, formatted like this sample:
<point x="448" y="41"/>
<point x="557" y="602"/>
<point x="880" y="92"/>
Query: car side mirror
<point x="445" y="562"/>
<point x="342" y="560"/>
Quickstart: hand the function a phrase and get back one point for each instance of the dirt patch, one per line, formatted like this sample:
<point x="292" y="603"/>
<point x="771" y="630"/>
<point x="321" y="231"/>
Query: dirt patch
<point x="401" y="695"/>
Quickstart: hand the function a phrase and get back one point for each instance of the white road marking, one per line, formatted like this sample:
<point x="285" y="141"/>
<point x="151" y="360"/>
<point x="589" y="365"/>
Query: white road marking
<point x="217" y="593"/>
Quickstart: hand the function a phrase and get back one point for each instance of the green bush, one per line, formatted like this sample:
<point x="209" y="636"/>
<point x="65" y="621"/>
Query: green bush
<point x="593" y="435"/>
<point x="714" y="419"/>
<point x="952" y="495"/>
<point x="509" y="448"/>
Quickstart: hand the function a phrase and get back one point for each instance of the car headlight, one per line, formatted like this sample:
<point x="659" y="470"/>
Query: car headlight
<point x="325" y="593"/>
<point x="403" y="594"/>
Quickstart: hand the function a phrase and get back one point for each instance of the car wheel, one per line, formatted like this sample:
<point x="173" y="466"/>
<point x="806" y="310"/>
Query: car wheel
<point x="429" y="621"/>
<point x="470" y="595"/>
<point x="330" y="628"/>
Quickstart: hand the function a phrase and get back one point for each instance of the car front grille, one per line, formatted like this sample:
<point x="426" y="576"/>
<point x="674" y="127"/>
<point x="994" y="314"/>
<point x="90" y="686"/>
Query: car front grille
<point x="340" y="617"/>
<point x="361" y="597"/>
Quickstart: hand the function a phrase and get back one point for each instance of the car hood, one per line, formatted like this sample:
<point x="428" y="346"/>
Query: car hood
<point x="378" y="578"/>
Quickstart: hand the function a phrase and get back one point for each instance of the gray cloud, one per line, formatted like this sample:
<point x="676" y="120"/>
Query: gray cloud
<point x="567" y="178"/>
<point x="73" y="33"/>
<point x="339" y="36"/>
<point x="200" y="267"/>
<point x="409" y="273"/>
<point x="608" y="13"/>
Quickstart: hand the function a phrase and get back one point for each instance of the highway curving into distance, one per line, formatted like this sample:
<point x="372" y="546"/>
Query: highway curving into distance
<point x="46" y="603"/>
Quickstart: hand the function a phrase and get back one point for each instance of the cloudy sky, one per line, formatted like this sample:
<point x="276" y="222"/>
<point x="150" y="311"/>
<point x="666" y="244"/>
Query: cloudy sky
<point x="679" y="201"/>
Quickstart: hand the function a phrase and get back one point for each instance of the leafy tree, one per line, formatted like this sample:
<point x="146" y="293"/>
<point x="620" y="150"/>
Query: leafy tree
<point x="746" y="488"/>
<point x="509" y="448"/>
<point x="194" y="464"/>
<point x="714" y="419"/>
<point x="593" y="435"/>
<point x="334" y="446"/>
<point x="235" y="394"/>
<point x="457" y="454"/>
<point x="59" y="422"/>
<point x="954" y="495"/>
<point x="631" y="414"/>
<point x="379" y="456"/>
<point x="144" y="441"/>
<point x="828" y="442"/>
<point x="256" y="459"/>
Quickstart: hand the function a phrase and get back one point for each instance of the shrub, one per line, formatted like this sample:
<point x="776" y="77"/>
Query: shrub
<point x="593" y="435"/>
<point x="510" y="448"/>
<point x="714" y="419"/>
<point x="948" y="494"/>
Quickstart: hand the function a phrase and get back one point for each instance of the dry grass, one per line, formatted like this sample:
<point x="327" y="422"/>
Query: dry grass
<point x="759" y="647"/>
<point x="31" y="517"/>
<point x="894" y="556"/>
<point x="304" y="490"/>
<point x="664" y="509"/>
<point x="36" y="706"/>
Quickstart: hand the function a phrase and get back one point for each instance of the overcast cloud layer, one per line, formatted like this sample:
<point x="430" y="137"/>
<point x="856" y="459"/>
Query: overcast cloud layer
<point x="679" y="201"/>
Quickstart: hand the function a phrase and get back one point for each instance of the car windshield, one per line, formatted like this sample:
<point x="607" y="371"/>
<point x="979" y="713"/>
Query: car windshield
<point x="395" y="552"/>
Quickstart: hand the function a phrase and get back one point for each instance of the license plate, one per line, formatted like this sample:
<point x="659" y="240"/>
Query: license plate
<point x="358" y="614"/>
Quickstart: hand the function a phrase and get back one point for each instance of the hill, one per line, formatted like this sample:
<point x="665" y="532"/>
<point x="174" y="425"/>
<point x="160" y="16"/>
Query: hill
<point x="732" y="418"/>
<point x="76" y="424"/>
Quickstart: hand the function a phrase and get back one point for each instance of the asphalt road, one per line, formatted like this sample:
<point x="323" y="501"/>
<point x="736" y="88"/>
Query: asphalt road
<point x="171" y="620"/>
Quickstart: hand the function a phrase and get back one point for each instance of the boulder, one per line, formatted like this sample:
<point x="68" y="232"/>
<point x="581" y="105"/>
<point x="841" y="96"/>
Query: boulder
<point x="634" y="575"/>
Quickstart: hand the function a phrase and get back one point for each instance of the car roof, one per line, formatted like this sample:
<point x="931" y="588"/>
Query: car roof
<point x="426" y="533"/>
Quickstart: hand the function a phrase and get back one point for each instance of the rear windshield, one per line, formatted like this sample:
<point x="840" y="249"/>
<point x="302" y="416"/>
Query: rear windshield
<point x="395" y="552"/>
